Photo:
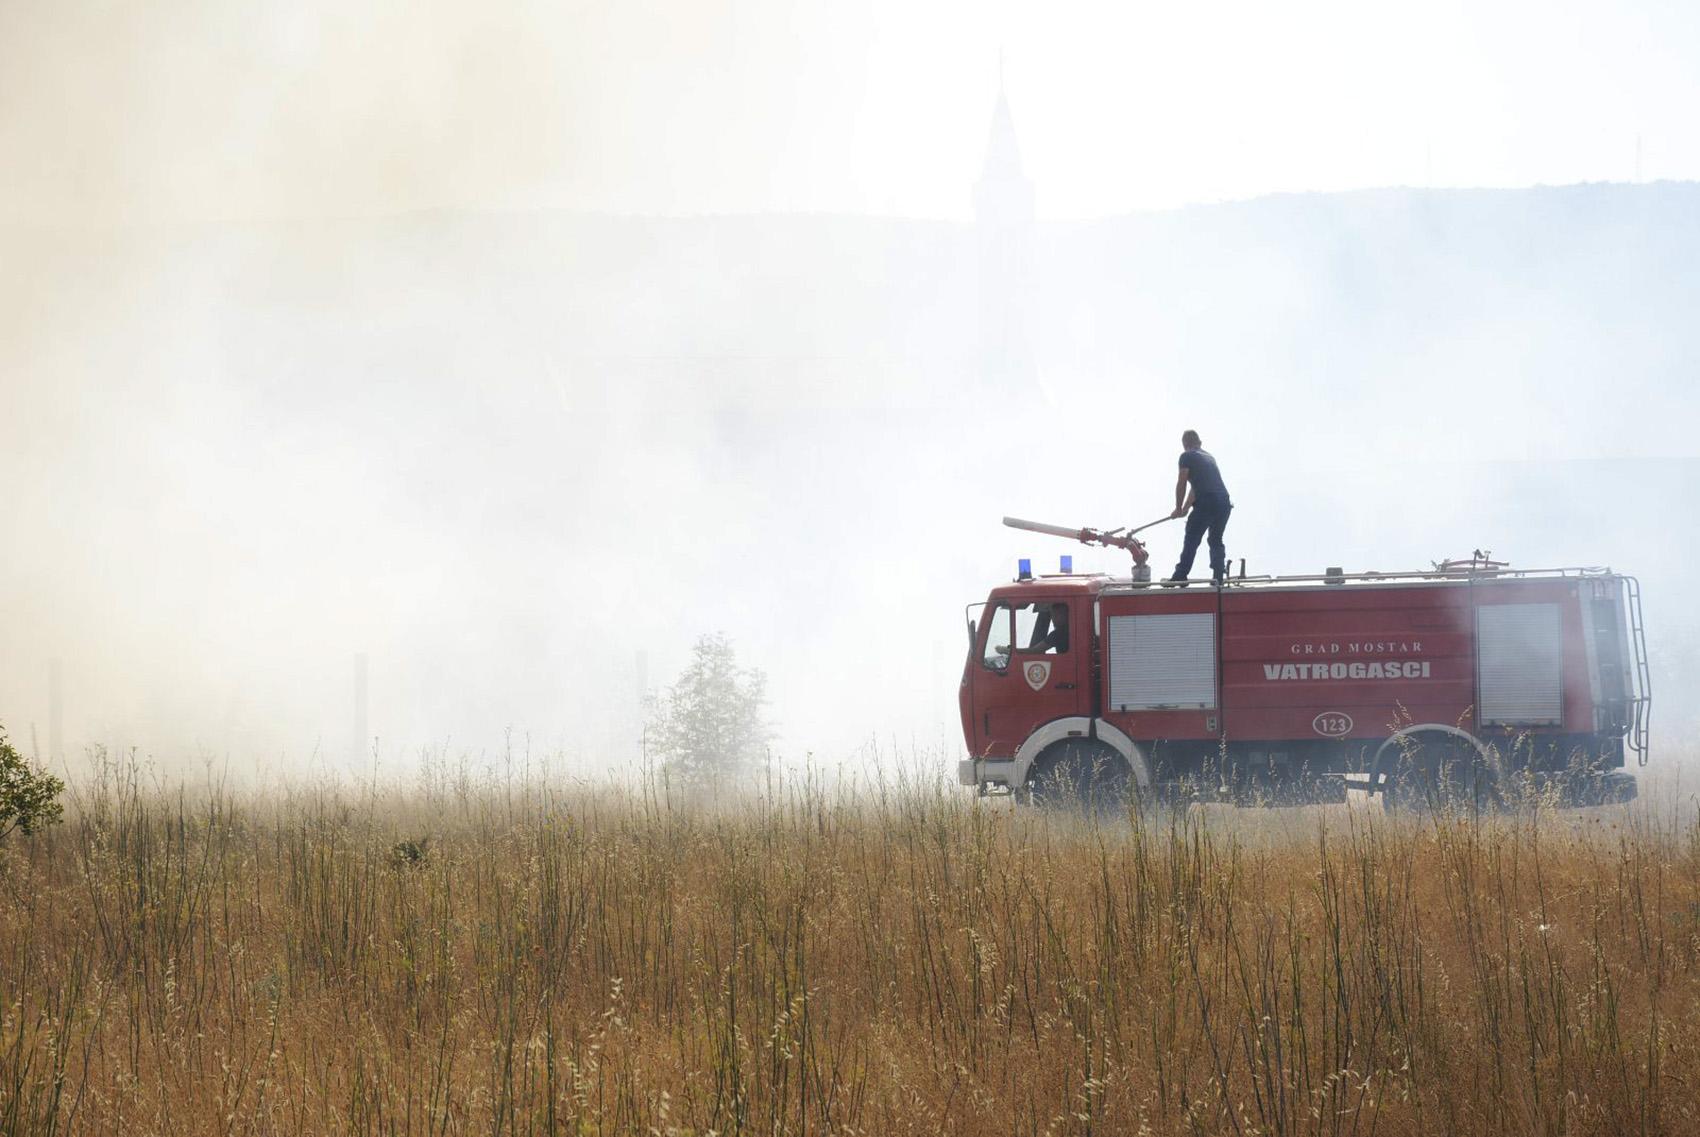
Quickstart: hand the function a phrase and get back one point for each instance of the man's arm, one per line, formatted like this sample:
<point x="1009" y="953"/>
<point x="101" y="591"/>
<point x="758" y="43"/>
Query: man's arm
<point x="1183" y="495"/>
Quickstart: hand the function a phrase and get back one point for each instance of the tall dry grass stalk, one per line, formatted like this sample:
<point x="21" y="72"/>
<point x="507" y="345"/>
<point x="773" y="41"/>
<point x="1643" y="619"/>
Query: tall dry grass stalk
<point x="901" y="960"/>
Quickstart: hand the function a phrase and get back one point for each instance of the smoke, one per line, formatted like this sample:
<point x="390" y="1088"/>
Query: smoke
<point x="323" y="338"/>
<point x="192" y="112"/>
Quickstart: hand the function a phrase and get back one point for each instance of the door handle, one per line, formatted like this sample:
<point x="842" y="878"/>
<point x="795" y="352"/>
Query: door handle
<point x="1065" y="686"/>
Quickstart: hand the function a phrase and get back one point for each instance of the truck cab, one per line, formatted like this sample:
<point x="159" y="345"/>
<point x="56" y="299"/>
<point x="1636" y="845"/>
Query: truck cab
<point x="1030" y="662"/>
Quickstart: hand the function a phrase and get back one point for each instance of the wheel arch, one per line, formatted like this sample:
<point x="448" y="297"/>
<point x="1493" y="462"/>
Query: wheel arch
<point x="1387" y="754"/>
<point x="1079" y="726"/>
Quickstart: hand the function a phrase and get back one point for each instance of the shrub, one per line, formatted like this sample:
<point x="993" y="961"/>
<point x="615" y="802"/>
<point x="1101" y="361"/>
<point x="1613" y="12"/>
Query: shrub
<point x="708" y="728"/>
<point x="411" y="853"/>
<point x="29" y="798"/>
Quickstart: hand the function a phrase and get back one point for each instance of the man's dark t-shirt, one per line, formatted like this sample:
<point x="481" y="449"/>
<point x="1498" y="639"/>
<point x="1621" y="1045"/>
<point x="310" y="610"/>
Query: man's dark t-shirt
<point x="1202" y="473"/>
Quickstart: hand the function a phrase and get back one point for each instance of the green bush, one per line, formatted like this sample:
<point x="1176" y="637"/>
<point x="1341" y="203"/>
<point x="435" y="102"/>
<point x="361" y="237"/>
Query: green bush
<point x="29" y="798"/>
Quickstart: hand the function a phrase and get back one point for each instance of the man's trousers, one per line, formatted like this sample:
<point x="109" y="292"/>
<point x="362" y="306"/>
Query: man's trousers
<point x="1209" y="515"/>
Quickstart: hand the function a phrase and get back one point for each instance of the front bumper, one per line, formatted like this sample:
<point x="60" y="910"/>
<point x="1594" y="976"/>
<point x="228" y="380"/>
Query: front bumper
<point x="985" y="771"/>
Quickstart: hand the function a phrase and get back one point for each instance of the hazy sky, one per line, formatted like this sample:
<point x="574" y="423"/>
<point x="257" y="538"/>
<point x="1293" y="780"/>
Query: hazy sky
<point x="198" y="108"/>
<point x="505" y="454"/>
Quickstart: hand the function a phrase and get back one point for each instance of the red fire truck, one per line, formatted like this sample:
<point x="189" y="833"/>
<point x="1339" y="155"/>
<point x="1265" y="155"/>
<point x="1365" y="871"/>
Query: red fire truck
<point x="1467" y="682"/>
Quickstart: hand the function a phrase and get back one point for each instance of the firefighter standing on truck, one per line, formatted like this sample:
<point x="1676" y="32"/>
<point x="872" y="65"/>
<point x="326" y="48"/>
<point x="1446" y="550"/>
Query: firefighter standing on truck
<point x="1201" y="491"/>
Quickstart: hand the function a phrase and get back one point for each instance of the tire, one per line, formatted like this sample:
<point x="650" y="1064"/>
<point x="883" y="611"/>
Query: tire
<point x="1433" y="772"/>
<point x="1080" y="775"/>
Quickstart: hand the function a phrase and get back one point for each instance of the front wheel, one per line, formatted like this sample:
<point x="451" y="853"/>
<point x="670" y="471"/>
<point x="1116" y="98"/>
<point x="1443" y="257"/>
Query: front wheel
<point x="1081" y="775"/>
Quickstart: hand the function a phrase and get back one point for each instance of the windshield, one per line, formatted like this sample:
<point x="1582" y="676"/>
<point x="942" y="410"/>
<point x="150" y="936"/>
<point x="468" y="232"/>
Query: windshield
<point x="994" y="646"/>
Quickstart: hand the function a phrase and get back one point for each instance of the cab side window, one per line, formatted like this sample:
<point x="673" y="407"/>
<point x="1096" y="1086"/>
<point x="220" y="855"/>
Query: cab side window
<point x="995" y="641"/>
<point x="1042" y="628"/>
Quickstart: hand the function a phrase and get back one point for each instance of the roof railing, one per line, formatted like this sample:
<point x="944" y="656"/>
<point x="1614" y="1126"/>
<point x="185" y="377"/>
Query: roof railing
<point x="1430" y="576"/>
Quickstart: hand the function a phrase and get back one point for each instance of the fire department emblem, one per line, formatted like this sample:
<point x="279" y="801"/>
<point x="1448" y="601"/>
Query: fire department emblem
<point x="1038" y="673"/>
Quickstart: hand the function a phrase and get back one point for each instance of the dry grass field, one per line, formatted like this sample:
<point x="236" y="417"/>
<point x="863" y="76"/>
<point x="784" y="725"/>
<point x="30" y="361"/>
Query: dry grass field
<point x="906" y="960"/>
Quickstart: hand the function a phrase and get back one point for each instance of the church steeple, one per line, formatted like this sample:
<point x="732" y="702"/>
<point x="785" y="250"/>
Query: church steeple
<point x="1004" y="193"/>
<point x="1003" y="209"/>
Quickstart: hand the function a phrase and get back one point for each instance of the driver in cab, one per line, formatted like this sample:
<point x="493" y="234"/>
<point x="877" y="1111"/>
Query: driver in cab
<point x="1048" y="637"/>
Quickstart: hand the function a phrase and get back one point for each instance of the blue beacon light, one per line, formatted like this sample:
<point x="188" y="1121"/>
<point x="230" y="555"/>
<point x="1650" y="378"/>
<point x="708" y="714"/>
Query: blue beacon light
<point x="1024" y="569"/>
<point x="1067" y="563"/>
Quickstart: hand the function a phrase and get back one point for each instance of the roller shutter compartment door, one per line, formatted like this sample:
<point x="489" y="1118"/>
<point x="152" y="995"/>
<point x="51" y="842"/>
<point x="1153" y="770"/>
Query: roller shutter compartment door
<point x="1163" y="662"/>
<point x="1520" y="664"/>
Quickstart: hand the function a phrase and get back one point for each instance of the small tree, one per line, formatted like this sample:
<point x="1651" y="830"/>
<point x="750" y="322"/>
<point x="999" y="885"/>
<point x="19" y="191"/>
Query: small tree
<point x="28" y="797"/>
<point x="708" y="727"/>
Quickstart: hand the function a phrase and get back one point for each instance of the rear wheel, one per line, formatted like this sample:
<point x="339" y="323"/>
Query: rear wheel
<point x="1437" y="772"/>
<point x="1080" y="774"/>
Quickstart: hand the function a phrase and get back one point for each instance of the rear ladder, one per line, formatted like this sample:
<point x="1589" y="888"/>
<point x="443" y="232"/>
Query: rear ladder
<point x="1641" y="702"/>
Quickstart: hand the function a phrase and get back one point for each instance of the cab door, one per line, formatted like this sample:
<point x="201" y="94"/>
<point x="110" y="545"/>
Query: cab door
<point x="1027" y="669"/>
